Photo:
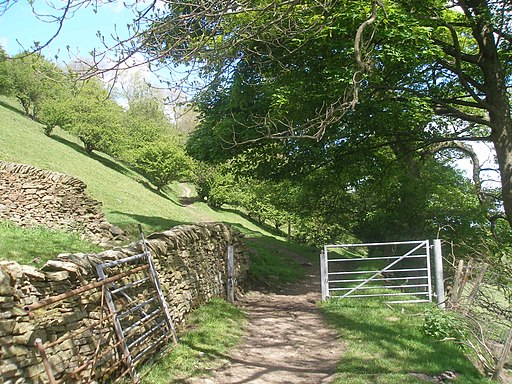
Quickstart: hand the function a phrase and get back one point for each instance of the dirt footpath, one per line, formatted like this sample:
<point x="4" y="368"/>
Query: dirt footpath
<point x="287" y="340"/>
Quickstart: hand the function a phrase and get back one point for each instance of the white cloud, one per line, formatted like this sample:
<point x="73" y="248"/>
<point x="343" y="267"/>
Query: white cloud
<point x="4" y="43"/>
<point x="116" y="6"/>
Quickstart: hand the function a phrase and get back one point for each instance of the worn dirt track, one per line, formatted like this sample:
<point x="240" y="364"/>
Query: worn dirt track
<point x="287" y="341"/>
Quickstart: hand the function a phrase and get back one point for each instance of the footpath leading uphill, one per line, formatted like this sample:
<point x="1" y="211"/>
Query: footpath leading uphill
<point x="287" y="341"/>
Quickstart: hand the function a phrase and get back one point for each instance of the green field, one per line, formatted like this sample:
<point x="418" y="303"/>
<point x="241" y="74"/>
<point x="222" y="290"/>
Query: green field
<point x="384" y="345"/>
<point x="128" y="198"/>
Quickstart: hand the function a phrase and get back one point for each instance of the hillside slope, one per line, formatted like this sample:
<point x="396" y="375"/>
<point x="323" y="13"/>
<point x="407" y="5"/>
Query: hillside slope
<point x="127" y="197"/>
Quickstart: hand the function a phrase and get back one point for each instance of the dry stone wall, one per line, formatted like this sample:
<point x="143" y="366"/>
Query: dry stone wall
<point x="191" y="265"/>
<point x="30" y="196"/>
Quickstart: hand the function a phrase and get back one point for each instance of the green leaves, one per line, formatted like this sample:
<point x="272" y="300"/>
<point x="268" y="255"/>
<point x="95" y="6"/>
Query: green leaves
<point x="93" y="117"/>
<point x="163" y="161"/>
<point x="31" y="78"/>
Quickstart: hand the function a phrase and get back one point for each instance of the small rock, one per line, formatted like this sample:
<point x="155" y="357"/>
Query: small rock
<point x="116" y="231"/>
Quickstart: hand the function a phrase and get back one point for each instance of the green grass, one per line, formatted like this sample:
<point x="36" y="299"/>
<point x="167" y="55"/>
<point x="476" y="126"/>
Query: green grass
<point x="386" y="344"/>
<point x="214" y="329"/>
<point x="271" y="260"/>
<point x="127" y="197"/>
<point x="34" y="246"/>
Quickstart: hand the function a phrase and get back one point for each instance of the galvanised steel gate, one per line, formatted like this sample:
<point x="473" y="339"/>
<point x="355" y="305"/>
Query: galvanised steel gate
<point x="141" y="318"/>
<point x="396" y="270"/>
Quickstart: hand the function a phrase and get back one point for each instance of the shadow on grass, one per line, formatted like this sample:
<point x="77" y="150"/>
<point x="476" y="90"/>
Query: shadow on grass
<point x="212" y="330"/>
<point x="151" y="223"/>
<point x="115" y="166"/>
<point x="103" y="160"/>
<point x="13" y="109"/>
<point x="184" y="201"/>
<point x="389" y="342"/>
<point x="266" y="227"/>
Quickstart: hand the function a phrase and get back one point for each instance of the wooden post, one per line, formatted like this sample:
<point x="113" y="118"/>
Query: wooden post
<point x="231" y="275"/>
<point x="503" y="358"/>
<point x="456" y="283"/>
<point x="476" y="287"/>
<point x="465" y="278"/>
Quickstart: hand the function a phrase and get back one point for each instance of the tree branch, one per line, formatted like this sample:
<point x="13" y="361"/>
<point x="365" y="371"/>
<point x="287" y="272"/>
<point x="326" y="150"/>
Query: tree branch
<point x="469" y="151"/>
<point x="457" y="55"/>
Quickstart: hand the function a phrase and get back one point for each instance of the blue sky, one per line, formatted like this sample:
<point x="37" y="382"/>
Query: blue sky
<point x="20" y="27"/>
<point x="79" y="32"/>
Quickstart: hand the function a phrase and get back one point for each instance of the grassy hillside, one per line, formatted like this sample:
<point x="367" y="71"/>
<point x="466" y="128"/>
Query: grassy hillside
<point x="127" y="197"/>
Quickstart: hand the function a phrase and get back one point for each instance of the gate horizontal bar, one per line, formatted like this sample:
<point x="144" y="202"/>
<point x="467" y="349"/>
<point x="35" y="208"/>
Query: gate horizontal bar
<point x="121" y="261"/>
<point x="85" y="288"/>
<point x="379" y="287"/>
<point x="377" y="258"/>
<point x="145" y="334"/>
<point x="386" y="271"/>
<point x="133" y="309"/>
<point x="382" y="294"/>
<point x="130" y="285"/>
<point x="157" y="342"/>
<point x="382" y="279"/>
<point x="144" y="319"/>
<point x="408" y="301"/>
<point x="372" y="244"/>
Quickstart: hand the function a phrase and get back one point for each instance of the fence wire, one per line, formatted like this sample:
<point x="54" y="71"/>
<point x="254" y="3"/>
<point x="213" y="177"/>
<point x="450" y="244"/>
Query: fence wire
<point x="481" y="293"/>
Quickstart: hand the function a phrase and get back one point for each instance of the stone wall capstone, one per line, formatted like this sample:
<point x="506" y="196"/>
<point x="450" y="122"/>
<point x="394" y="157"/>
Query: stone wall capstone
<point x="191" y="264"/>
<point x="30" y="196"/>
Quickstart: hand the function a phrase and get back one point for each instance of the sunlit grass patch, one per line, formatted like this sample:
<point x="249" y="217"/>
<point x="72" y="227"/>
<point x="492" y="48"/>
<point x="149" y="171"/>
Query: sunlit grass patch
<point x="386" y="344"/>
<point x="214" y="328"/>
<point x="37" y="245"/>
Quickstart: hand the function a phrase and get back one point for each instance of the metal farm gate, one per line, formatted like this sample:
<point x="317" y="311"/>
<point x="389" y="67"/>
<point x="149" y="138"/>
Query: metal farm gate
<point x="398" y="270"/>
<point x="140" y="316"/>
<point x="131" y="321"/>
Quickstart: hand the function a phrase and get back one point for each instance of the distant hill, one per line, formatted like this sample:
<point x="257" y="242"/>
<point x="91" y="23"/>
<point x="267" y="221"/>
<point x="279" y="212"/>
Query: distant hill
<point x="128" y="198"/>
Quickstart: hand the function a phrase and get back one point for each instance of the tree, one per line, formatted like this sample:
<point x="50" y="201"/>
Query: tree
<point x="456" y="63"/>
<point x="466" y="72"/>
<point x="164" y="161"/>
<point x="308" y="64"/>
<point x="33" y="78"/>
<point x="143" y="123"/>
<point x="54" y="107"/>
<point x="93" y="116"/>
<point x="5" y="79"/>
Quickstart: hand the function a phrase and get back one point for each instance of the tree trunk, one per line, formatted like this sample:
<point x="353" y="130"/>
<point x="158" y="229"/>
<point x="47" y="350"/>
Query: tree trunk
<point x="502" y="138"/>
<point x="25" y="104"/>
<point x="496" y="97"/>
<point x="499" y="112"/>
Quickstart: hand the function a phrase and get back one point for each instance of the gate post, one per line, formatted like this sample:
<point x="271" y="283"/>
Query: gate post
<point x="324" y="277"/>
<point x="231" y="275"/>
<point x="438" y="266"/>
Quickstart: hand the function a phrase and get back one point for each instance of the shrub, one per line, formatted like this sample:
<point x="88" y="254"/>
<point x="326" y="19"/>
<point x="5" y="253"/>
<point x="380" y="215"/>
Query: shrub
<point x="164" y="161"/>
<point x="441" y="324"/>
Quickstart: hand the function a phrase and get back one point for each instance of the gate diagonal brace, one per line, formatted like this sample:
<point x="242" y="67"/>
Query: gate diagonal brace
<point x="165" y="327"/>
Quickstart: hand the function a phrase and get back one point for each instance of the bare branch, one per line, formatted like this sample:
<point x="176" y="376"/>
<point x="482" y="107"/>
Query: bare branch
<point x="457" y="69"/>
<point x="469" y="151"/>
